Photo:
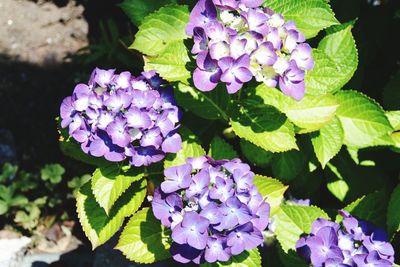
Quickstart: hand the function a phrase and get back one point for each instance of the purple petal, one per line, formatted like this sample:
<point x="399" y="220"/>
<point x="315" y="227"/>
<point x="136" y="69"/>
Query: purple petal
<point x="152" y="138"/>
<point x="226" y="63"/>
<point x="234" y="87"/>
<point x="137" y="119"/>
<point x="265" y="54"/>
<point x="205" y="81"/>
<point x="290" y="42"/>
<point x="295" y="90"/>
<point x="144" y="156"/>
<point x="202" y="13"/>
<point x="219" y="50"/>
<point x="216" y="250"/>
<point x="252" y="3"/>
<point x="243" y="74"/>
<point x="118" y="132"/>
<point x="98" y="148"/>
<point x="164" y="206"/>
<point x="172" y="144"/>
<point x="303" y="56"/>
<point x="103" y="77"/>
<point x="274" y="38"/>
<point x="212" y="213"/>
<point x="123" y="80"/>
<point x="178" y="178"/>
<point x="144" y="99"/>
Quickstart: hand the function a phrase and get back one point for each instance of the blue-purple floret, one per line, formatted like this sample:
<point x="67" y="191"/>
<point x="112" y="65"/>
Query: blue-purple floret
<point x="213" y="208"/>
<point x="119" y="116"/>
<point x="349" y="244"/>
<point x="236" y="40"/>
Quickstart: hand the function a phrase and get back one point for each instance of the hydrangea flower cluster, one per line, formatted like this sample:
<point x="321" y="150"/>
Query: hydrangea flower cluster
<point x="213" y="208"/>
<point x="119" y="116"/>
<point x="354" y="243"/>
<point x="237" y="39"/>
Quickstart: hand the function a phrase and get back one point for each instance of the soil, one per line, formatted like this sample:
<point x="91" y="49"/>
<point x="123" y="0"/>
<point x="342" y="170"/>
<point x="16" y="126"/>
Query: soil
<point x="41" y="33"/>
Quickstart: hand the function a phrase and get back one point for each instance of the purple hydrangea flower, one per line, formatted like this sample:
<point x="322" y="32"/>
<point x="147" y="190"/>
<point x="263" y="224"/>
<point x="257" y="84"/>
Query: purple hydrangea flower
<point x="118" y="117"/>
<point x="213" y="209"/>
<point x="351" y="243"/>
<point x="243" y="42"/>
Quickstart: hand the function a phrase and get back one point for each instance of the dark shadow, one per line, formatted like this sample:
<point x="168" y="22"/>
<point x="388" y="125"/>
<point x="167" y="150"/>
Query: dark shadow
<point x="80" y="257"/>
<point x="259" y="116"/>
<point x="40" y="264"/>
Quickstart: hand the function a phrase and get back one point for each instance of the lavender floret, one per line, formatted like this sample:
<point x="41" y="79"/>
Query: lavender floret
<point x="213" y="208"/>
<point x="349" y="244"/>
<point x="236" y="40"/>
<point x="119" y="116"/>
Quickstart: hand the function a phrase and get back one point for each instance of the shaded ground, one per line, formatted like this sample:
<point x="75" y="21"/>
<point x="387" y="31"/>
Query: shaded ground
<point x="34" y="75"/>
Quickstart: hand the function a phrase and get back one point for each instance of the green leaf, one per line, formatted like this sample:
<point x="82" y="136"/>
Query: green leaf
<point x="109" y="182"/>
<point x="371" y="208"/>
<point x="274" y="97"/>
<point x="144" y="239"/>
<point x="9" y="171"/>
<point x="52" y="172"/>
<point x="293" y="221"/>
<point x="272" y="189"/>
<point x="19" y="201"/>
<point x="339" y="27"/>
<point x="363" y="120"/>
<point x="313" y="112"/>
<point x="310" y="16"/>
<point x="161" y="28"/>
<point x="393" y="214"/>
<point x="396" y="139"/>
<point x="171" y="63"/>
<point x="220" y="149"/>
<point x="263" y="125"/>
<point x="97" y="225"/>
<point x="328" y="141"/>
<point x="77" y="182"/>
<point x="336" y="183"/>
<point x="3" y="207"/>
<point x="256" y="155"/>
<point x="246" y="258"/>
<point x="137" y="10"/>
<point x="6" y="193"/>
<point x="336" y="60"/>
<point x="394" y="119"/>
<point x="190" y="149"/>
<point x="288" y="165"/>
<point x="207" y="105"/>
<point x="28" y="220"/>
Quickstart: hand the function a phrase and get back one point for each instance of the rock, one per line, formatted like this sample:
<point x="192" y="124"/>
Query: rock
<point x="13" y="251"/>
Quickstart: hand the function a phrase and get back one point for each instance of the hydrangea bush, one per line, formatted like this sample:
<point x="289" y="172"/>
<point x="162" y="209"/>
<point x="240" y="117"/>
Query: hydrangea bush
<point x="354" y="243"/>
<point x="232" y="88"/>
